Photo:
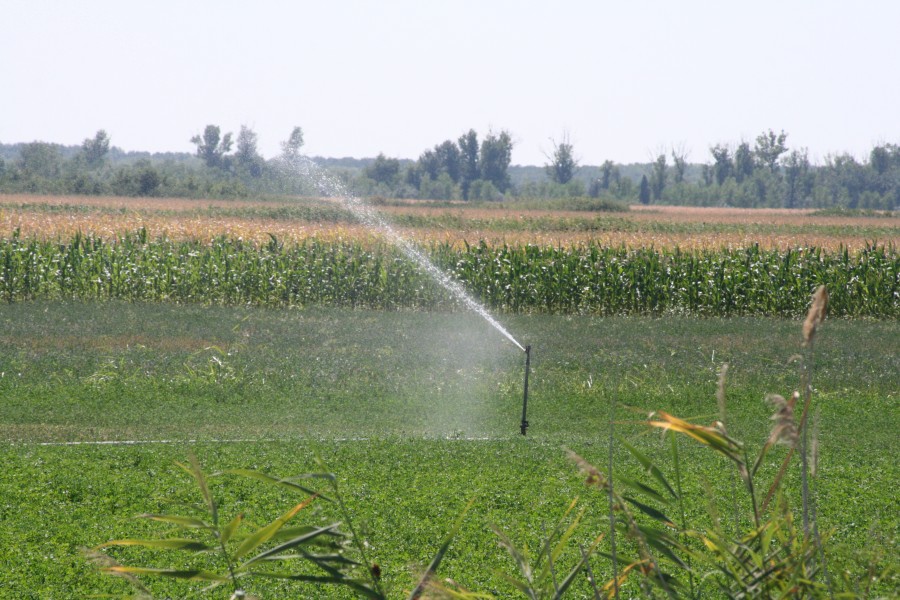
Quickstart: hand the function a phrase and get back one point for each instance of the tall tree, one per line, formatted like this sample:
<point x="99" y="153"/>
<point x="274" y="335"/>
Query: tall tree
<point x="644" y="193"/>
<point x="468" y="168"/>
<point x="679" y="164"/>
<point x="769" y="147"/>
<point x="212" y="146"/>
<point x="743" y="162"/>
<point x="40" y="159"/>
<point x="722" y="165"/>
<point x="796" y="178"/>
<point x="94" y="150"/>
<point x="658" y="176"/>
<point x="450" y="159"/>
<point x="706" y="174"/>
<point x="445" y="158"/>
<point x="846" y="179"/>
<point x="384" y="170"/>
<point x="496" y="154"/>
<point x="430" y="164"/>
<point x="880" y="159"/>
<point x="609" y="173"/>
<point x="562" y="166"/>
<point x="247" y="155"/>
<point x="290" y="148"/>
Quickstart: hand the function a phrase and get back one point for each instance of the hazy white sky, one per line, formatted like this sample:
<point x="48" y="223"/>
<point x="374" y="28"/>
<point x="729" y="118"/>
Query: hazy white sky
<point x="622" y="79"/>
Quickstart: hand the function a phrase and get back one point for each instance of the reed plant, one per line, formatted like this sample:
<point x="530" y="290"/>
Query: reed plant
<point x="233" y="553"/>
<point x="775" y="555"/>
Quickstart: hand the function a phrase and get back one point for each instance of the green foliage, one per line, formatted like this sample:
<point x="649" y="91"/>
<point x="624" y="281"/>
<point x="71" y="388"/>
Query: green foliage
<point x="445" y="159"/>
<point x="775" y="558"/>
<point x="468" y="149"/>
<point x="95" y="150"/>
<point x="574" y="202"/>
<point x="485" y="191"/>
<point x="384" y="170"/>
<point x="769" y="148"/>
<point x="658" y="176"/>
<point x="743" y="163"/>
<point x="378" y="394"/>
<point x="769" y="175"/>
<point x="644" y="191"/>
<point x="588" y="278"/>
<point x="275" y="550"/>
<point x="723" y="166"/>
<point x="679" y="163"/>
<point x="610" y="179"/>
<point x="539" y="575"/>
<point x="493" y="162"/>
<point x="247" y="156"/>
<point x="441" y="188"/>
<point x="290" y="148"/>
<point x="562" y="165"/>
<point x="40" y="160"/>
<point x="212" y="146"/>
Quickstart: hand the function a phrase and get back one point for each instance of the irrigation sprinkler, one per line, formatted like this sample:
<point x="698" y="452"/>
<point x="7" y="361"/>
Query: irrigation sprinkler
<point x="525" y="398"/>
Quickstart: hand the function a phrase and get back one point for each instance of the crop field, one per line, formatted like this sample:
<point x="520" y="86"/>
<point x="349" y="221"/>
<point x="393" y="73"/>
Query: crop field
<point x="292" y="221"/>
<point x="273" y="335"/>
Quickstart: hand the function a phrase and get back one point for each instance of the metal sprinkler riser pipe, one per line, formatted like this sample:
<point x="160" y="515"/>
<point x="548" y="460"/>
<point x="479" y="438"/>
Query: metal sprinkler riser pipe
<point x="524" y="425"/>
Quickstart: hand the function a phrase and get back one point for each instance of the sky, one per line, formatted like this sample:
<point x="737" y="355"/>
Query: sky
<point x="620" y="81"/>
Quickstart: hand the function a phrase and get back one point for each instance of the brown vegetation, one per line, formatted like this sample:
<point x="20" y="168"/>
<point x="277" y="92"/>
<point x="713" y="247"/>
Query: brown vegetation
<point x="658" y="226"/>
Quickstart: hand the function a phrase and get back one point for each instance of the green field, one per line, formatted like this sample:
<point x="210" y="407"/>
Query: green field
<point x="589" y="278"/>
<point x="416" y="413"/>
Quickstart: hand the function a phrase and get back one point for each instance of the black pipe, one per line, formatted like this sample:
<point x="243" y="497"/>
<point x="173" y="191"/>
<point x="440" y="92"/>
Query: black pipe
<point x="525" y="398"/>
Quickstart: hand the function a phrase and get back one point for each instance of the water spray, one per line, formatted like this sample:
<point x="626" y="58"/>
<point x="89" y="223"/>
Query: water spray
<point x="367" y="214"/>
<point x="525" y="398"/>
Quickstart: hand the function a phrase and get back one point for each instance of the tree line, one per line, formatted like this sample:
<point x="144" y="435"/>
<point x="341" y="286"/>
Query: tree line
<point x="221" y="167"/>
<point x="770" y="174"/>
<point x="765" y="174"/>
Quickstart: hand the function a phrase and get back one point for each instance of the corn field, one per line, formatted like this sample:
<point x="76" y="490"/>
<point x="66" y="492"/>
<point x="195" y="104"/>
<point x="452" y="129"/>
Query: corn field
<point x="586" y="278"/>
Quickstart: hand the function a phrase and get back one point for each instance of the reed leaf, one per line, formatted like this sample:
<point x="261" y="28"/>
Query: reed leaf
<point x="162" y="544"/>
<point x="265" y="533"/>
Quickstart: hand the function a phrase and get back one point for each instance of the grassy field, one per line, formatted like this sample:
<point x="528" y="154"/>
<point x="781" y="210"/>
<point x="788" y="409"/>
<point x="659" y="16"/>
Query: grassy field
<point x="415" y="412"/>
